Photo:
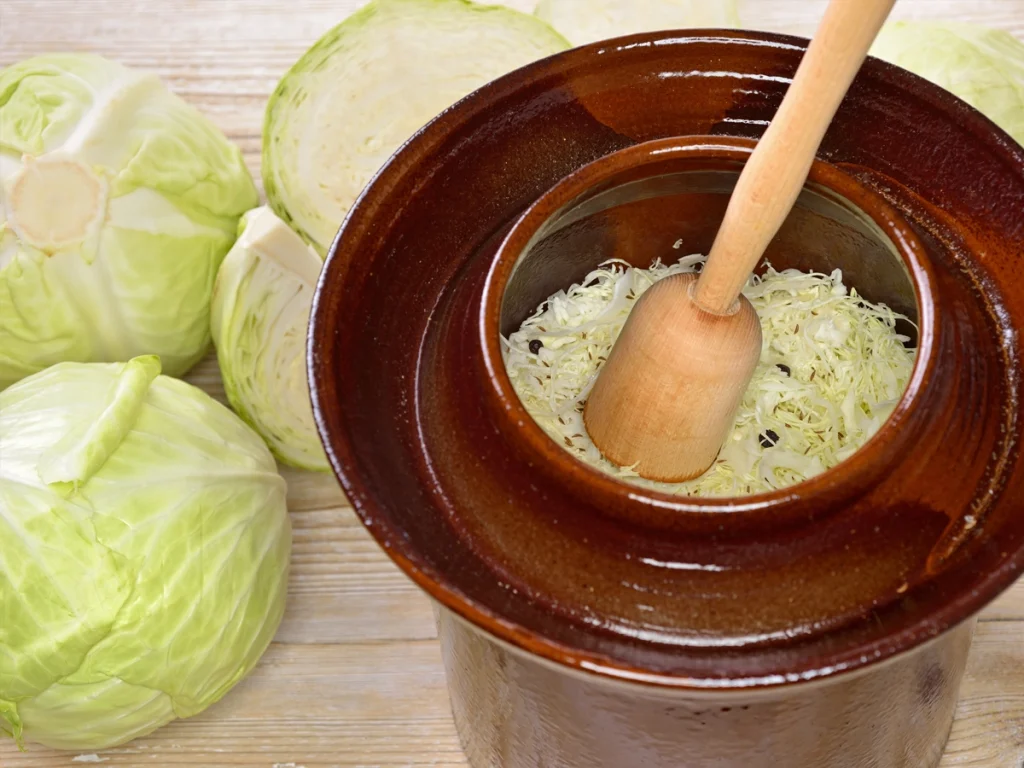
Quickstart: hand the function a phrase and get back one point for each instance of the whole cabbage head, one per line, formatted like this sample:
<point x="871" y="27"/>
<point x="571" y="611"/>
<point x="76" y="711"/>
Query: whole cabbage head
<point x="118" y="202"/>
<point x="983" y="66"/>
<point x="144" y="550"/>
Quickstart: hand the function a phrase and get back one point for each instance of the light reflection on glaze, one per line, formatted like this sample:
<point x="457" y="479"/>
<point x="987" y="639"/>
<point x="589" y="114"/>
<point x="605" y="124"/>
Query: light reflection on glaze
<point x="732" y="75"/>
<point x="677" y="566"/>
<point x="765" y="681"/>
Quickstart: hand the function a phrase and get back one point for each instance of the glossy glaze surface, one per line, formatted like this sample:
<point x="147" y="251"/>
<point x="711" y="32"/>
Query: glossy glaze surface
<point x="515" y="712"/>
<point x="440" y="475"/>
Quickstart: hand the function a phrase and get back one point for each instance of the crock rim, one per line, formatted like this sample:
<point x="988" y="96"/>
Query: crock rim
<point x="843" y="479"/>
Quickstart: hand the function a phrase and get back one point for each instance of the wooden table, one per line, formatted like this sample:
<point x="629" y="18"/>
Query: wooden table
<point x="354" y="677"/>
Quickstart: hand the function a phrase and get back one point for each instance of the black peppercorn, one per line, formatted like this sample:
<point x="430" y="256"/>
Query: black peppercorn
<point x="535" y="345"/>
<point x="768" y="439"/>
<point x="784" y="368"/>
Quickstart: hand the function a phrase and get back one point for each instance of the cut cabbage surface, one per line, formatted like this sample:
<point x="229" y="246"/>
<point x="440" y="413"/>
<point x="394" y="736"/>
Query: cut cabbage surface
<point x="832" y="368"/>
<point x="371" y="82"/>
<point x="587" y="21"/>
<point x="260" y="316"/>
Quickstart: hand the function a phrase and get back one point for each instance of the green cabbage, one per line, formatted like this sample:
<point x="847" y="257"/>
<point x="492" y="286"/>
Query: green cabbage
<point x="832" y="368"/>
<point x="587" y="21"/>
<point x="368" y="85"/>
<point x="144" y="549"/>
<point x="261" y="305"/>
<point x="119" y="202"/>
<point x="984" y="67"/>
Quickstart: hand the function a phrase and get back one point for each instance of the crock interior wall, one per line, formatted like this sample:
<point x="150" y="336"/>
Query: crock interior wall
<point x="641" y="221"/>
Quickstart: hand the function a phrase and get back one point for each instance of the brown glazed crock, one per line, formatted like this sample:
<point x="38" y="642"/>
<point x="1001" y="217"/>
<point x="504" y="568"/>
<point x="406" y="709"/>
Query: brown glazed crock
<point x="585" y="622"/>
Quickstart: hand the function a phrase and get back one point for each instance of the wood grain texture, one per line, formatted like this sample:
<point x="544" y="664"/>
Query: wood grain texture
<point x="354" y="677"/>
<point x="776" y="172"/>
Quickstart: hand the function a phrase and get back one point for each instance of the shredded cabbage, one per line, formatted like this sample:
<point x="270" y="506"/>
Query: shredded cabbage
<point x="832" y="368"/>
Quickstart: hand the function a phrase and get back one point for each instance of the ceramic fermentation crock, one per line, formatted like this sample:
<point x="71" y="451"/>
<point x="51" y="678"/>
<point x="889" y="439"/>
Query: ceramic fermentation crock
<point x="587" y="623"/>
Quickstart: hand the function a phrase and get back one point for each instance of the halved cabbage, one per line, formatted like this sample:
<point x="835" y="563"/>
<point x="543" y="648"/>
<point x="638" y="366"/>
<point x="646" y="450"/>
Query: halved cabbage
<point x="983" y="66"/>
<point x="144" y="548"/>
<point x="261" y="305"/>
<point x="117" y="203"/>
<point x="587" y="21"/>
<point x="368" y="85"/>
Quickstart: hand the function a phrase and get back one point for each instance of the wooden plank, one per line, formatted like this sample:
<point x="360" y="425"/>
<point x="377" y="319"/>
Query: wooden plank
<point x="989" y="727"/>
<point x="349" y="705"/>
<point x="237" y="25"/>
<point x="343" y="588"/>
<point x="1009" y="606"/>
<point x="800" y="17"/>
<point x="366" y="704"/>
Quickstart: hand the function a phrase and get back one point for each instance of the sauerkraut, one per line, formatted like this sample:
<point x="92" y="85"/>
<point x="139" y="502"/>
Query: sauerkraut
<point x="832" y="368"/>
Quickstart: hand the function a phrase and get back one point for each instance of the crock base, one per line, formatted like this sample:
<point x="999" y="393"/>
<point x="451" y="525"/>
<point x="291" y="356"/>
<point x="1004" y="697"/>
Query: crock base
<point x="513" y="711"/>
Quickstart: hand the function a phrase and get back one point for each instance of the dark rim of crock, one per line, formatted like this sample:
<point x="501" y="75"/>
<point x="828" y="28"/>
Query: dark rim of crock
<point x="913" y="534"/>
